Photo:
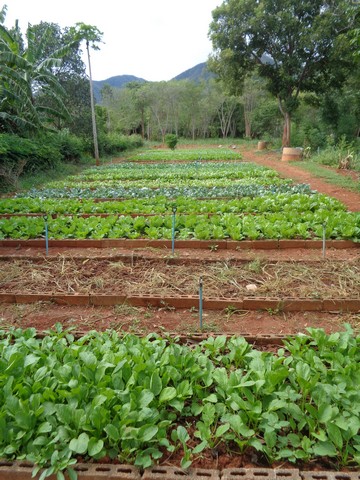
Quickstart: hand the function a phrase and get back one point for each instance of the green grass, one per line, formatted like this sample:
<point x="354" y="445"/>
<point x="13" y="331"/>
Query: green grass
<point x="329" y="175"/>
<point x="59" y="172"/>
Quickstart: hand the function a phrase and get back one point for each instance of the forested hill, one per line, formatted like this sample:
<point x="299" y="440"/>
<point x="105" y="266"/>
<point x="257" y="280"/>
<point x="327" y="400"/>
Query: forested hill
<point x="197" y="73"/>
<point x="117" y="82"/>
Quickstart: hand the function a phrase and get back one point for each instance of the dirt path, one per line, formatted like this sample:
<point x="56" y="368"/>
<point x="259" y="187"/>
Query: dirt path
<point x="272" y="160"/>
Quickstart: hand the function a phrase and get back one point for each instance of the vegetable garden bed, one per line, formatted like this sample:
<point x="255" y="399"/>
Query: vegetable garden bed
<point x="221" y="404"/>
<point x="182" y="403"/>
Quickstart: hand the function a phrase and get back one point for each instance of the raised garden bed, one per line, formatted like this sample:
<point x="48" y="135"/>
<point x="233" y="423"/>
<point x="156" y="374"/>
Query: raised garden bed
<point x="200" y="431"/>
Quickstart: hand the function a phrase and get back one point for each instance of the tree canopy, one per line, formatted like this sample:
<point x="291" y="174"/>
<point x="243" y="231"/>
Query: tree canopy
<point x="296" y="46"/>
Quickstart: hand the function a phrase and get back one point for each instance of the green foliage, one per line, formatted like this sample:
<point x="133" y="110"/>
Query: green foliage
<point x="189" y="155"/>
<point x="28" y="81"/>
<point x="71" y="147"/>
<point x="20" y="155"/>
<point x="132" y="400"/>
<point x="337" y="154"/>
<point x="247" y="189"/>
<point x="271" y="203"/>
<point x="279" y="40"/>
<point x="113" y="143"/>
<point x="288" y="224"/>
<point x="171" y="140"/>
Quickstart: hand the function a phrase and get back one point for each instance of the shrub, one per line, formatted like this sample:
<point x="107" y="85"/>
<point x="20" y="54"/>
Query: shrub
<point x="18" y="155"/>
<point x="335" y="153"/>
<point x="71" y="147"/>
<point x="171" y="140"/>
<point x="111" y="144"/>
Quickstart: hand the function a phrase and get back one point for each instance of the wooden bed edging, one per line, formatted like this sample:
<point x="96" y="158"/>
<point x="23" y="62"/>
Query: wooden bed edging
<point x="274" y="304"/>
<point x="190" y="244"/>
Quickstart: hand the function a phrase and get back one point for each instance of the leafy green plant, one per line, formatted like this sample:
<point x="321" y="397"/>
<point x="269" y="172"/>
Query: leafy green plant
<point x="62" y="397"/>
<point x="171" y="140"/>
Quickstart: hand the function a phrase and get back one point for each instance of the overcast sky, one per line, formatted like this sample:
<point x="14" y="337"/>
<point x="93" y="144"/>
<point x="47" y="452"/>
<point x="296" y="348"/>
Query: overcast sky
<point x="151" y="39"/>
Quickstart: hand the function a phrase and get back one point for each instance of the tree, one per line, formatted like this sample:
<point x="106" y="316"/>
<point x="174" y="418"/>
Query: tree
<point x="71" y="75"/>
<point x="295" y="45"/>
<point x="92" y="37"/>
<point x="27" y="76"/>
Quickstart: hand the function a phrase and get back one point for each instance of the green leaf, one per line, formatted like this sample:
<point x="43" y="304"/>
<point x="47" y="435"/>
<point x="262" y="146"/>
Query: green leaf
<point x="99" y="400"/>
<point x="324" y="449"/>
<point x="45" y="427"/>
<point x="270" y="438"/>
<point x="95" y="446"/>
<point x="88" y="358"/>
<point x="80" y="444"/>
<point x="143" y="460"/>
<point x="167" y="394"/>
<point x="325" y="413"/>
<point x="199" y="448"/>
<point x="146" y="433"/>
<point x="335" y="435"/>
<point x="185" y="463"/>
<point x="211" y="398"/>
<point x="145" y="398"/>
<point x="155" y="383"/>
<point x="112" y="431"/>
<point x="182" y="434"/>
<point x="71" y="474"/>
<point x="30" y="359"/>
<point x="222" y="429"/>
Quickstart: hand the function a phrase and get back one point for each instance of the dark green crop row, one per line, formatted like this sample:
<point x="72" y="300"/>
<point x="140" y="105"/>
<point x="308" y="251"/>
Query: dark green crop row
<point x="230" y="191"/>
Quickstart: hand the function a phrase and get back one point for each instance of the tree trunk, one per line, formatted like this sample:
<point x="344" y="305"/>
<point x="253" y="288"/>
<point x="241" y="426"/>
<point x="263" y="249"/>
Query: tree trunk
<point x="247" y="124"/>
<point x="96" y="146"/>
<point x="286" y="131"/>
<point x="142" y="124"/>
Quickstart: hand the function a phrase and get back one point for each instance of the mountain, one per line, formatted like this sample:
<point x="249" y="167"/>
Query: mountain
<point x="117" y="82"/>
<point x="197" y="73"/>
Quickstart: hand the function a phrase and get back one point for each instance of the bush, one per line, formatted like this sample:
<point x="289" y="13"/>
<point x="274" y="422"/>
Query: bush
<point x="18" y="155"/>
<point x="71" y="147"/>
<point x="171" y="140"/>
<point x="335" y="154"/>
<point x="111" y="144"/>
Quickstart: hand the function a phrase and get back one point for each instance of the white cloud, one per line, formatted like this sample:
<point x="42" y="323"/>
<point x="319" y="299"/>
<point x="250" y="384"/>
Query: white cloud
<point x="155" y="40"/>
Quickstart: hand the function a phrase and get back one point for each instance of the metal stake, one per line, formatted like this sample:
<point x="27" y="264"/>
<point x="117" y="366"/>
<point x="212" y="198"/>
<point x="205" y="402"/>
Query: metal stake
<point x="173" y="231"/>
<point x="201" y="302"/>
<point x="324" y="240"/>
<point x="46" y="235"/>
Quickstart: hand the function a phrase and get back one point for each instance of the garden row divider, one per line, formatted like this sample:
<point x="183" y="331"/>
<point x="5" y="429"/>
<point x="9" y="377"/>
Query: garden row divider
<point x="189" y="244"/>
<point x="17" y="470"/>
<point x="169" y="260"/>
<point x="273" y="304"/>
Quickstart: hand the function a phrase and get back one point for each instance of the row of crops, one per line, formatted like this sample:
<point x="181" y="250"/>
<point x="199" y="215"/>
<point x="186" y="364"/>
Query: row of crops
<point x="141" y="399"/>
<point x="246" y="201"/>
